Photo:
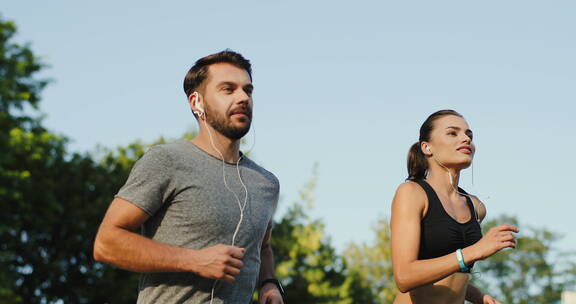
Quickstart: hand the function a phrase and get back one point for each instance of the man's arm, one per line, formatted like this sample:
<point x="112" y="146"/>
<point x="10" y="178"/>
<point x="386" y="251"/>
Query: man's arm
<point x="476" y="296"/>
<point x="269" y="293"/>
<point x="267" y="256"/>
<point x="473" y="294"/>
<point x="118" y="244"/>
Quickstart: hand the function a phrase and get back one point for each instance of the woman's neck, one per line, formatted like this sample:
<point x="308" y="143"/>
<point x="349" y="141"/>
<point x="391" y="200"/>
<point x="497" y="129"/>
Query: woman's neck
<point x="444" y="179"/>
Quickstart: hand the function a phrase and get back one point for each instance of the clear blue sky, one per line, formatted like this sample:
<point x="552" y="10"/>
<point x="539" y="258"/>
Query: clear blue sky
<point x="346" y="85"/>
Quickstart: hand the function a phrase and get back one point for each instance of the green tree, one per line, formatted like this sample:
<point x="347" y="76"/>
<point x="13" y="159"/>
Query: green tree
<point x="52" y="200"/>
<point x="536" y="272"/>
<point x="306" y="263"/>
<point x="18" y="89"/>
<point x="373" y="263"/>
<point x="18" y="86"/>
<point x="53" y="208"/>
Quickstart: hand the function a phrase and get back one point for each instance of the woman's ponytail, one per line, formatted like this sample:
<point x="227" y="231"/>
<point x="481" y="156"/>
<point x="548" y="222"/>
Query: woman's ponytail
<point x="417" y="164"/>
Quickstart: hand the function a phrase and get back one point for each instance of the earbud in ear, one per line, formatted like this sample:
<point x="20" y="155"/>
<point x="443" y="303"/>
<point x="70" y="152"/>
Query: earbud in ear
<point x="428" y="148"/>
<point x="198" y="105"/>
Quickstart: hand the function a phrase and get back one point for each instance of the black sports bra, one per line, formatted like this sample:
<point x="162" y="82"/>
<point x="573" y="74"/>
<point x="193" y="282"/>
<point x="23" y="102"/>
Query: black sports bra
<point x="440" y="233"/>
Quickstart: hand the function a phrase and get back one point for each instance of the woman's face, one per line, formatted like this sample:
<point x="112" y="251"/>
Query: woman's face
<point x="451" y="142"/>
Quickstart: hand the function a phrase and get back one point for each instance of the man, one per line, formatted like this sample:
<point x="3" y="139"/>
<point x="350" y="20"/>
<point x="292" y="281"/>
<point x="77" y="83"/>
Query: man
<point x="205" y="209"/>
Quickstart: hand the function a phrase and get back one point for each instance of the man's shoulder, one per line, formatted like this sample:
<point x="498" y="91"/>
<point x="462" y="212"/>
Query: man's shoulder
<point x="262" y="171"/>
<point x="169" y="150"/>
<point x="164" y="155"/>
<point x="174" y="146"/>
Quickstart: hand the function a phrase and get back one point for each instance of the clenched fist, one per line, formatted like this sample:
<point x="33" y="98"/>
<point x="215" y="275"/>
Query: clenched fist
<point x="220" y="262"/>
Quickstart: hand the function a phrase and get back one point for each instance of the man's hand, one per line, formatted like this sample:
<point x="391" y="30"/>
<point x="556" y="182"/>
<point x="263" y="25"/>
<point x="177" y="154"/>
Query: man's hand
<point x="489" y="300"/>
<point x="221" y="262"/>
<point x="269" y="294"/>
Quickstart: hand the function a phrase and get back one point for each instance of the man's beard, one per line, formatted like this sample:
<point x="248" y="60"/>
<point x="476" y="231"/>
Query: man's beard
<point x="220" y="123"/>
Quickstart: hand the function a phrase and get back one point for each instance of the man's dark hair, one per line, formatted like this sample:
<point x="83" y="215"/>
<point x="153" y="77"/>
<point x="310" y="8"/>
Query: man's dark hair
<point x="199" y="72"/>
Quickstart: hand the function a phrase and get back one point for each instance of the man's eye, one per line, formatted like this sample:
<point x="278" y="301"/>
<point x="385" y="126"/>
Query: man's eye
<point x="228" y="89"/>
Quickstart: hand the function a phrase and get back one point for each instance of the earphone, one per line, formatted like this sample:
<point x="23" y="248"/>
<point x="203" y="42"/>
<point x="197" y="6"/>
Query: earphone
<point x="198" y="105"/>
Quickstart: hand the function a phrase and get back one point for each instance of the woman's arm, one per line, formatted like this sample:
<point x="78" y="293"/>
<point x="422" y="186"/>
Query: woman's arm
<point x="408" y="209"/>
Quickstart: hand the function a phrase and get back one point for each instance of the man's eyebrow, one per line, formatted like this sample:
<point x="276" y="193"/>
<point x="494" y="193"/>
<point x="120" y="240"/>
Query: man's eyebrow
<point x="229" y="83"/>
<point x="234" y="84"/>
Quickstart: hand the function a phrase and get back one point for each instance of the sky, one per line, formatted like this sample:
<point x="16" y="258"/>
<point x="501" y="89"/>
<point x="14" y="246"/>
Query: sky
<point x="344" y="85"/>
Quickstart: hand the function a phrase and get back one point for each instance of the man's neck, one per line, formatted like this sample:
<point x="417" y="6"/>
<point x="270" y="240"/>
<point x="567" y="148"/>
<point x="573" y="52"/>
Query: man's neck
<point x="219" y="146"/>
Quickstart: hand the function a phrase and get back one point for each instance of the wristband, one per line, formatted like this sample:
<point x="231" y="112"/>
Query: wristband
<point x="460" y="258"/>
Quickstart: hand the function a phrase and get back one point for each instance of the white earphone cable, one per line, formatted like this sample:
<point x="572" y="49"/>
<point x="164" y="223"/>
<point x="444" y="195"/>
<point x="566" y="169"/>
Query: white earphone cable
<point x="454" y="187"/>
<point x="241" y="206"/>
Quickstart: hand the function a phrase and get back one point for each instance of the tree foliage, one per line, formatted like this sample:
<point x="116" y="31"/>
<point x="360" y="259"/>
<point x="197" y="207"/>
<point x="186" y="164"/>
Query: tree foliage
<point x="52" y="200"/>
<point x="536" y="272"/>
<point x="308" y="265"/>
<point x="373" y="263"/>
<point x="18" y="67"/>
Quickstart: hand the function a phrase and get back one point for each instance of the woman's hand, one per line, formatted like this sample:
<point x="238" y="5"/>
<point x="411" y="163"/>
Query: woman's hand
<point x="489" y="300"/>
<point x="496" y="239"/>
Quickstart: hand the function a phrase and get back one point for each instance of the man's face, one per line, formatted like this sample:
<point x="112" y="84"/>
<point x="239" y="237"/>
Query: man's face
<point x="228" y="100"/>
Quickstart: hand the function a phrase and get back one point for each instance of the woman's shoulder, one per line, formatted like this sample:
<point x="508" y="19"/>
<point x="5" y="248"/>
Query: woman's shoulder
<point x="479" y="206"/>
<point x="411" y="189"/>
<point x="410" y="192"/>
<point x="410" y="202"/>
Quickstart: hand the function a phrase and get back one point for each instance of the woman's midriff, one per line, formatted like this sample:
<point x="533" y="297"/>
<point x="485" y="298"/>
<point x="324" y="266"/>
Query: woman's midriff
<point x="450" y="290"/>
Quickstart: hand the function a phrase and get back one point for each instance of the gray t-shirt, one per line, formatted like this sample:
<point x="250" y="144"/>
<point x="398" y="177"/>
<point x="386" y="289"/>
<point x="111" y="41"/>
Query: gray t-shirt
<point x="181" y="187"/>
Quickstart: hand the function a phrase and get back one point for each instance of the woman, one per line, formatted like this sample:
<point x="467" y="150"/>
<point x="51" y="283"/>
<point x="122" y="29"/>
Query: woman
<point x="436" y="235"/>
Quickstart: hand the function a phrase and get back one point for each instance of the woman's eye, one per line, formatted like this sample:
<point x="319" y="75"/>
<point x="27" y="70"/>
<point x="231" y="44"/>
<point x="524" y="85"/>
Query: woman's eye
<point x="452" y="133"/>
